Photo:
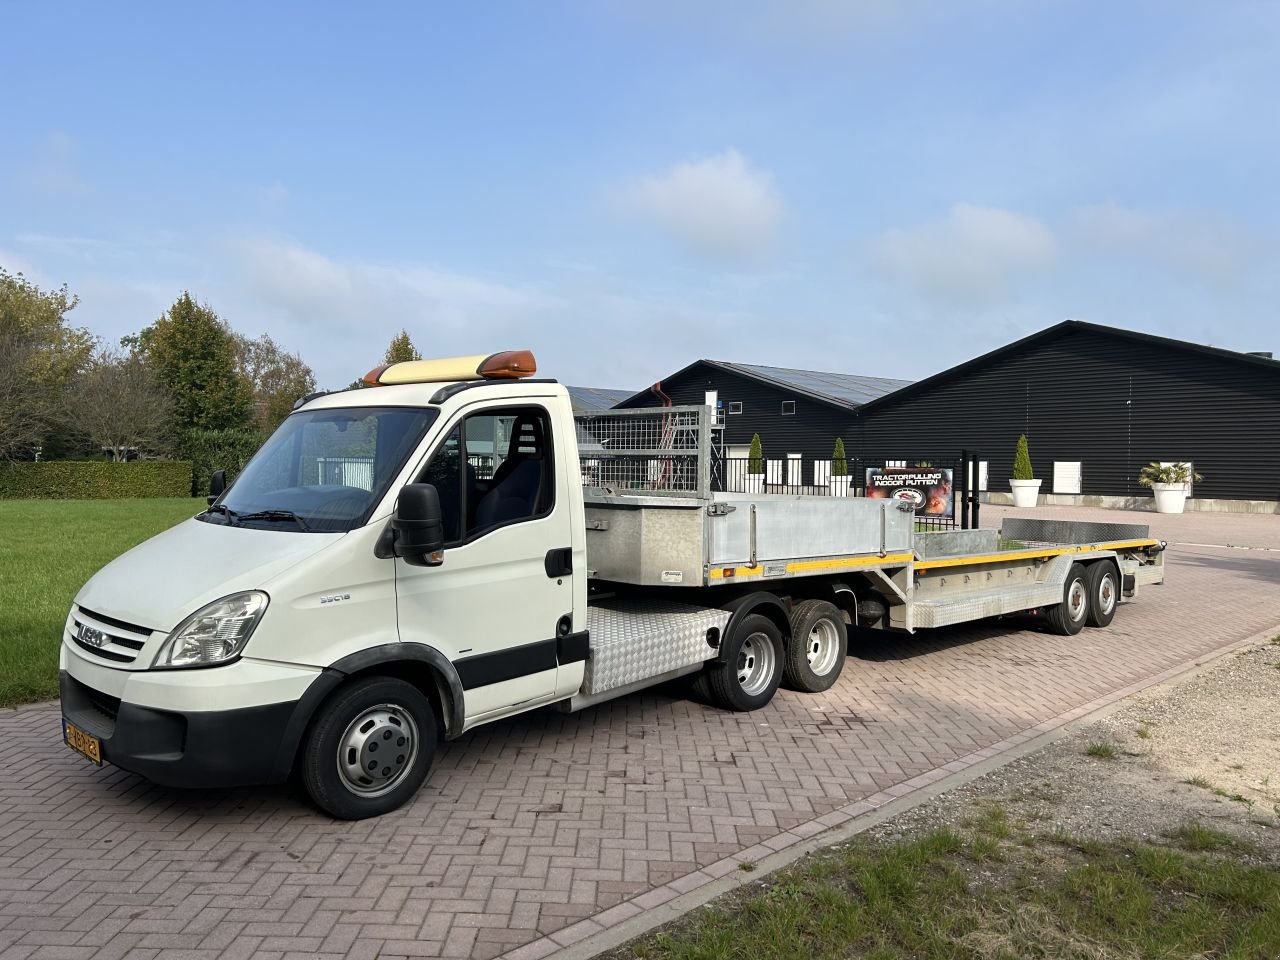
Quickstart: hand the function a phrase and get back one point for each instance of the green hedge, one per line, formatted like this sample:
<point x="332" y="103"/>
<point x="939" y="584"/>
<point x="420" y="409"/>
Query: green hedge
<point x="94" y="480"/>
<point x="210" y="450"/>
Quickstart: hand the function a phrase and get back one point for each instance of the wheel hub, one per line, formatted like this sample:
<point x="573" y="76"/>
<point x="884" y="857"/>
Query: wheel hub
<point x="377" y="749"/>
<point x="824" y="647"/>
<point x="755" y="663"/>
<point x="1076" y="600"/>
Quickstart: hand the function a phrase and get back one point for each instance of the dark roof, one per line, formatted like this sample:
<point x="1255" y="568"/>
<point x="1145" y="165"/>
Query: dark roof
<point x="595" y="398"/>
<point x="846" y="390"/>
<point x="1062" y="329"/>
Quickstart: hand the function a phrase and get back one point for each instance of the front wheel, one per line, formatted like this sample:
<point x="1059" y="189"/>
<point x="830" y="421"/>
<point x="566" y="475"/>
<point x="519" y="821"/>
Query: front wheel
<point x="751" y="670"/>
<point x="1068" y="617"/>
<point x="370" y="748"/>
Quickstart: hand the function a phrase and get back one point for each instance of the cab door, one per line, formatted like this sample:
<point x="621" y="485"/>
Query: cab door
<point x="497" y="604"/>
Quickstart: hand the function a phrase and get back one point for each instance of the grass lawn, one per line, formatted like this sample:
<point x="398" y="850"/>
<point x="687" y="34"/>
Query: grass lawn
<point x="48" y="549"/>
<point x="992" y="892"/>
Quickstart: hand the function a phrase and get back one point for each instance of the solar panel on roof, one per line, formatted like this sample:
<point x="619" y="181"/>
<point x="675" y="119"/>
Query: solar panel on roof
<point x="852" y="389"/>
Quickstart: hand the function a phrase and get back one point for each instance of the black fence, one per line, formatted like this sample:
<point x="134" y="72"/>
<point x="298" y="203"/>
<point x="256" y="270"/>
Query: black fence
<point x="944" y="490"/>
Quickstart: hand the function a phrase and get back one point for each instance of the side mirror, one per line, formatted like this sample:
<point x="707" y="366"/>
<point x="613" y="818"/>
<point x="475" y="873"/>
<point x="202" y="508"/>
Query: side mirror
<point x="418" y="526"/>
<point x="217" y="483"/>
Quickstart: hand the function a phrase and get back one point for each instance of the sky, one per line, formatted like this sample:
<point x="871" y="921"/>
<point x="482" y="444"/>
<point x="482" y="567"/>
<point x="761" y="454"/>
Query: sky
<point x="870" y="186"/>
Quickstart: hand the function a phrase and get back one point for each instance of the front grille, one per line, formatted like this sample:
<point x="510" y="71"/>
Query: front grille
<point x="106" y="637"/>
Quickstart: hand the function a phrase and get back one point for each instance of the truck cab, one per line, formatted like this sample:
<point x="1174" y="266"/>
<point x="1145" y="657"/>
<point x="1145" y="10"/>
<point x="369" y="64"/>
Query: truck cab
<point x="203" y="656"/>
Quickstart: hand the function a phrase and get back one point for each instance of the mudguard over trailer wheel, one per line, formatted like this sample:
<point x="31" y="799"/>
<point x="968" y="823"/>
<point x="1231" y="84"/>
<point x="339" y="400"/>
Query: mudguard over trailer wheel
<point x="1069" y="617"/>
<point x="1103" y="580"/>
<point x="751" y="669"/>
<point x="818" y="646"/>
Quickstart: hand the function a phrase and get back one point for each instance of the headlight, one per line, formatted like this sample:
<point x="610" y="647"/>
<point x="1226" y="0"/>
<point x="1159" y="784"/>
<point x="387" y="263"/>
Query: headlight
<point x="214" y="634"/>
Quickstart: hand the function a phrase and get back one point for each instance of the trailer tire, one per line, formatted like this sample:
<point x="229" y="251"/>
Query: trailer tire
<point x="751" y="669"/>
<point x="371" y="720"/>
<point x="819" y="642"/>
<point x="1069" y="617"/>
<point x="1104" y="592"/>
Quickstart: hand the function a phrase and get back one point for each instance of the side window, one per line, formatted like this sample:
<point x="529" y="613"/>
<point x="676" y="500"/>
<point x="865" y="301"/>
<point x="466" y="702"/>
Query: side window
<point x="495" y="468"/>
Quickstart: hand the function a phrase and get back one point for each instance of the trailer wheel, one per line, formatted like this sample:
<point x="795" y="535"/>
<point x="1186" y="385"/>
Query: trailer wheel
<point x="819" y="641"/>
<point x="1104" y="593"/>
<point x="752" y="667"/>
<point x="1069" y="617"/>
<point x="369" y="749"/>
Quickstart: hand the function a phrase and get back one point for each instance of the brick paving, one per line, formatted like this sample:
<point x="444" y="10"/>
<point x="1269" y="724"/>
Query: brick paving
<point x="535" y="832"/>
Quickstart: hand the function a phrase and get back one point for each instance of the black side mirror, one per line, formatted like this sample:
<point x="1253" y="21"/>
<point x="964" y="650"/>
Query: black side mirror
<point x="418" y="526"/>
<point x="217" y="483"/>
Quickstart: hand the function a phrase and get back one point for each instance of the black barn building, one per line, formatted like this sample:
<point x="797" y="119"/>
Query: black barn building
<point x="1096" y="404"/>
<point x="797" y="413"/>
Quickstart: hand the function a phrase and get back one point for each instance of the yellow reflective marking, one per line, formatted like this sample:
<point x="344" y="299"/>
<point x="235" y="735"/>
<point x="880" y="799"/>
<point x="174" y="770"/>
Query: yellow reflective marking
<point x="1033" y="554"/>
<point x="808" y="566"/>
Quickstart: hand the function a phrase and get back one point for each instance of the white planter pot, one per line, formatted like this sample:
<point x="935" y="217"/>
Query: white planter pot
<point x="1025" y="492"/>
<point x="1170" y="497"/>
<point x="839" y="486"/>
<point x="754" y="483"/>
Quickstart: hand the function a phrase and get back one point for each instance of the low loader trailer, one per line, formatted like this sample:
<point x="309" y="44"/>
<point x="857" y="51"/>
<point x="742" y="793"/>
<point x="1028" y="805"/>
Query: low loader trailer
<point x="398" y="565"/>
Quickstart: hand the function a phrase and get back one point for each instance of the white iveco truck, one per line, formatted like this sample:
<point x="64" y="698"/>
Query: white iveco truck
<point x="451" y="546"/>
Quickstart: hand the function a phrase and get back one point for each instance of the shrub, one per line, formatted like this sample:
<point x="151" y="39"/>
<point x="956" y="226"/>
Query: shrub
<point x="1022" y="469"/>
<point x="755" y="465"/>
<point x="94" y="480"/>
<point x="210" y="450"/>
<point x="839" y="465"/>
<point x="1156" y="472"/>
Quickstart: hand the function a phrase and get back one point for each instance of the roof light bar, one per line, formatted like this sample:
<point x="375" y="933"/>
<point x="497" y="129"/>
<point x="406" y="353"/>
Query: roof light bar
<point x="509" y="365"/>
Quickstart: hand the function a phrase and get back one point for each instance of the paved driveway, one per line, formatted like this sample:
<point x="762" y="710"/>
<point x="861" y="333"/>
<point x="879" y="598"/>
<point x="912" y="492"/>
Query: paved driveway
<point x="529" y="827"/>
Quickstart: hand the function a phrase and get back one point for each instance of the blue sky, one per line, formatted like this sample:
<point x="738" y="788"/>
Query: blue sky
<point x="870" y="187"/>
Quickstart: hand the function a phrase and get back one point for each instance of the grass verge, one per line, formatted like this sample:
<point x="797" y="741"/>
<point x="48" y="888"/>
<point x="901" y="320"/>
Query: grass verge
<point x="993" y="892"/>
<point x="49" y="549"/>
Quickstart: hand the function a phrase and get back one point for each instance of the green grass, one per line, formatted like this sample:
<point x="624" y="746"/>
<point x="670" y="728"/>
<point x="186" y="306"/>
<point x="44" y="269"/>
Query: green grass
<point x="949" y="896"/>
<point x="49" y="548"/>
<point x="1144" y="733"/>
<point x="1103" y="751"/>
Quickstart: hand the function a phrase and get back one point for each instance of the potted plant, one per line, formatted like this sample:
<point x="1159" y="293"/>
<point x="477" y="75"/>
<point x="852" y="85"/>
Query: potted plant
<point x="1025" y="486"/>
<point x="755" y="466"/>
<point x="1170" y="482"/>
<point x="839" y="480"/>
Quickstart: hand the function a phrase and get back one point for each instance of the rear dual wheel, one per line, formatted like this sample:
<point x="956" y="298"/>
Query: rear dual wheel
<point x="1069" y="617"/>
<point x="818" y="645"/>
<point x="750" y="670"/>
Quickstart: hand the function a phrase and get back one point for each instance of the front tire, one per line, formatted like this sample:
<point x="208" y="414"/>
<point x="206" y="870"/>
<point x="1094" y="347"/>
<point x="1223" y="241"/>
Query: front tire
<point x="818" y="645"/>
<point x="1069" y="617"/>
<point x="751" y="670"/>
<point x="1103" y="581"/>
<point x="370" y="748"/>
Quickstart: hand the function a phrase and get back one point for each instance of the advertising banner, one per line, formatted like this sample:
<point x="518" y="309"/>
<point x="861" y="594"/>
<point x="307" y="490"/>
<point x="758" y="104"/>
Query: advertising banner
<point x="928" y="488"/>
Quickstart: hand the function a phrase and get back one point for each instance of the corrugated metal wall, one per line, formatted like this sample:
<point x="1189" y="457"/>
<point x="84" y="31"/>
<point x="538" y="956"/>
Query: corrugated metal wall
<point x="811" y="431"/>
<point x="1110" y="402"/>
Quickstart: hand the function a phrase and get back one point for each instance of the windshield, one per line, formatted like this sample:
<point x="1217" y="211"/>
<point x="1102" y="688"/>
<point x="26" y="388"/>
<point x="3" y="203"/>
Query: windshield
<point x="323" y="471"/>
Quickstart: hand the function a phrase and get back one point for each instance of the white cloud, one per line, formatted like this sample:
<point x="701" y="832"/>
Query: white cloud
<point x="972" y="255"/>
<point x="719" y="206"/>
<point x="1201" y="245"/>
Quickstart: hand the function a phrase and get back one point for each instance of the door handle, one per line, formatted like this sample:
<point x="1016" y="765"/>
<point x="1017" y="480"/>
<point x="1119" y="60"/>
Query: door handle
<point x="559" y="562"/>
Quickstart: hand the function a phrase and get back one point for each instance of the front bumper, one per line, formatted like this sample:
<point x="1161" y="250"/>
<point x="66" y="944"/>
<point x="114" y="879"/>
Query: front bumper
<point x="239" y="743"/>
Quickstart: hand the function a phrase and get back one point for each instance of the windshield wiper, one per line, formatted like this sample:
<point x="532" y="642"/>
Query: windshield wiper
<point x="272" y="515"/>
<point x="230" y="514"/>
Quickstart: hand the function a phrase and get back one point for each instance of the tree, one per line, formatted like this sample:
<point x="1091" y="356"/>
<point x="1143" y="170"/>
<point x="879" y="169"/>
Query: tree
<point x="278" y="378"/>
<point x="755" y="461"/>
<point x="193" y="353"/>
<point x="401" y="348"/>
<point x="839" y="465"/>
<point x="119" y="405"/>
<point x="39" y="354"/>
<point x="1022" y="469"/>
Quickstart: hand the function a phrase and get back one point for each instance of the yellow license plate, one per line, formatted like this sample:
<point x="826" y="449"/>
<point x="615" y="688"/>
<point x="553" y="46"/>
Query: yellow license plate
<point x="82" y="743"/>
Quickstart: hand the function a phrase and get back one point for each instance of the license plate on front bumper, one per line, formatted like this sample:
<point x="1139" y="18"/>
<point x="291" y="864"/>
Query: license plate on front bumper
<point x="82" y="743"/>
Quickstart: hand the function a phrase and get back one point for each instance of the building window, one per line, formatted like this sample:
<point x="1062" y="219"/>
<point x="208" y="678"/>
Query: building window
<point x="735" y="406"/>
<point x="788" y="408"/>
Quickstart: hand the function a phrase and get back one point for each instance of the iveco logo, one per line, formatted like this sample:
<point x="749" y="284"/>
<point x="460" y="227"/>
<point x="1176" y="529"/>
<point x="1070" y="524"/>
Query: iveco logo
<point x="91" y="636"/>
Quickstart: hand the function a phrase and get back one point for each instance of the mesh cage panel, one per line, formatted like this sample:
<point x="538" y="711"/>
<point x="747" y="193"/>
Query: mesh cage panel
<point x="654" y="449"/>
